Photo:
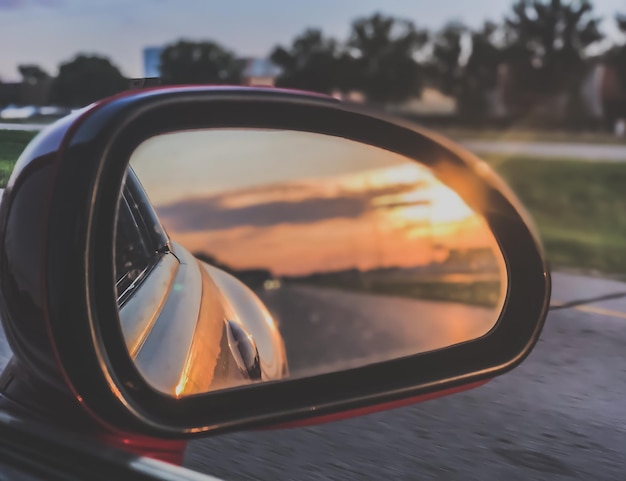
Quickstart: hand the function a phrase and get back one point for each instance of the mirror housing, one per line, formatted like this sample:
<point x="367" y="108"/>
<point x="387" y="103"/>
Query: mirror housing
<point x="58" y="307"/>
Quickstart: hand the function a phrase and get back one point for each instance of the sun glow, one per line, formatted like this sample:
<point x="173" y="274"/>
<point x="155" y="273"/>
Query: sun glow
<point x="298" y="202"/>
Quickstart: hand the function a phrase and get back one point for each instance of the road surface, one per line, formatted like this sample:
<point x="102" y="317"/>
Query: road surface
<point x="561" y="415"/>
<point x="327" y="330"/>
<point x="550" y="150"/>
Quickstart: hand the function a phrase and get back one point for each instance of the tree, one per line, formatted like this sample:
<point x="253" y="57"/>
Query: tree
<point x="480" y="74"/>
<point x="313" y="62"/>
<point x="445" y="63"/>
<point x="33" y="74"/>
<point x="384" y="50"/>
<point x="207" y="62"/>
<point x="547" y="42"/>
<point x="86" y="79"/>
<point x="616" y="56"/>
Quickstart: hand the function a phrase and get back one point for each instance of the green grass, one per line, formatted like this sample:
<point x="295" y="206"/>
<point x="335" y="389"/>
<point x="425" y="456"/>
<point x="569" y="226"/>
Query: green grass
<point x="579" y="208"/>
<point x="12" y="143"/>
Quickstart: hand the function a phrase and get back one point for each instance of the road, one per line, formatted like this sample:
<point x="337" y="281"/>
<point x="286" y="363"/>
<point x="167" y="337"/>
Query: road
<point x="550" y="150"/>
<point x="561" y="415"/>
<point x="326" y="330"/>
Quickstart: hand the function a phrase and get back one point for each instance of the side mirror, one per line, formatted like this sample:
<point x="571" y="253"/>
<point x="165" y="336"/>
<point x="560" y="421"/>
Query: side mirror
<point x="208" y="259"/>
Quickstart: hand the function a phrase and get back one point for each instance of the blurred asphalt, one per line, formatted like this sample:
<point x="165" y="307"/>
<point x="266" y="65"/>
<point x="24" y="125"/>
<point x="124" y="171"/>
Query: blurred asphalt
<point x="550" y="150"/>
<point x="561" y="415"/>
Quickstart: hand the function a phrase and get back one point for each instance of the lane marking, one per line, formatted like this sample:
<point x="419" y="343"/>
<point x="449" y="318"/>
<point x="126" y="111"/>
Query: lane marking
<point x="601" y="311"/>
<point x="590" y="309"/>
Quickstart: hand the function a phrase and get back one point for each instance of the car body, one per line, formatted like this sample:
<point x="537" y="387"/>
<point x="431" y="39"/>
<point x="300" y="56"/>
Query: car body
<point x="223" y="333"/>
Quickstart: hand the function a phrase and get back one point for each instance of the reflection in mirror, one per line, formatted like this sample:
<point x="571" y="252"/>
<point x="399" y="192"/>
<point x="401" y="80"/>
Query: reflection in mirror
<point x="292" y="254"/>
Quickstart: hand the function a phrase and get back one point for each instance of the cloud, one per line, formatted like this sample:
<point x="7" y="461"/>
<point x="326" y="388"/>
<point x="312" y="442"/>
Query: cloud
<point x="15" y="4"/>
<point x="214" y="213"/>
<point x="209" y="214"/>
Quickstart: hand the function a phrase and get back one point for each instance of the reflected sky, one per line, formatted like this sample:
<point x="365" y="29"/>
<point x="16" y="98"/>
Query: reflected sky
<point x="298" y="202"/>
<point x="212" y="161"/>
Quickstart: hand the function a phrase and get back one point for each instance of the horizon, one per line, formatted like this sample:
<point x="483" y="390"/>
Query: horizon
<point x="342" y="204"/>
<point x="120" y="31"/>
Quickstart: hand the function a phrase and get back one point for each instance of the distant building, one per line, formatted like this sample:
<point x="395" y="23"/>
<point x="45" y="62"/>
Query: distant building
<point x="430" y="102"/>
<point x="603" y="93"/>
<point x="152" y="61"/>
<point x="592" y="88"/>
<point x="259" y="72"/>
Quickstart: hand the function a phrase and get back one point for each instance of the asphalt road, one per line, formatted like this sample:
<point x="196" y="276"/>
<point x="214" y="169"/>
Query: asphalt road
<point x="327" y="330"/>
<point x="550" y="150"/>
<point x="561" y="415"/>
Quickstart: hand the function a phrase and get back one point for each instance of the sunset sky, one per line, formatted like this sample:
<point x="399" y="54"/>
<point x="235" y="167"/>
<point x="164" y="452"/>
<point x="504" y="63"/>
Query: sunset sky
<point x="298" y="202"/>
<point x="47" y="32"/>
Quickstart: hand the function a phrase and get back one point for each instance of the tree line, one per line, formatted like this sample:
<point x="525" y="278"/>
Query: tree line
<point x="544" y="44"/>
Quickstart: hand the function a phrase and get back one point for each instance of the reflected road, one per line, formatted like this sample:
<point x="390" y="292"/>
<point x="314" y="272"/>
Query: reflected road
<point x="326" y="328"/>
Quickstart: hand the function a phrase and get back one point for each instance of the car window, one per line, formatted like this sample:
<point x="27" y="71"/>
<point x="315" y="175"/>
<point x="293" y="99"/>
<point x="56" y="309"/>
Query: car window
<point x="140" y="240"/>
<point x="132" y="255"/>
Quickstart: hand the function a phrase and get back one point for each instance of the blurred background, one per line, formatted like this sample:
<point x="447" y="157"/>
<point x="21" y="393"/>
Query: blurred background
<point x="546" y="64"/>
<point x="535" y="87"/>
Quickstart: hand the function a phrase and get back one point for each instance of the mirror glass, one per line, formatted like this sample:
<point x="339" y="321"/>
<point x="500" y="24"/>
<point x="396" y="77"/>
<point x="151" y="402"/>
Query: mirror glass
<point x="254" y="255"/>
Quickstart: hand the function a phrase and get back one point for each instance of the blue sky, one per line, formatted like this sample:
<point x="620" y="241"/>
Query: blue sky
<point x="47" y="32"/>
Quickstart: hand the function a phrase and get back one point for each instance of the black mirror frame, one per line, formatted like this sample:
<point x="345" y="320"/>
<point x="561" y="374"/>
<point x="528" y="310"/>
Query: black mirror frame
<point x="81" y="310"/>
